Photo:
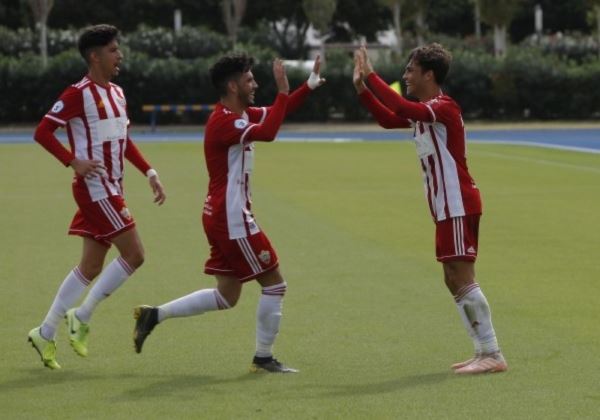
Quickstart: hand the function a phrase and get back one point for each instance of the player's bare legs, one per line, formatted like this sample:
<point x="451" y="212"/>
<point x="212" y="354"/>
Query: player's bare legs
<point x="92" y="258"/>
<point x="111" y="278"/>
<point x="475" y="313"/>
<point x="116" y="272"/>
<point x="230" y="289"/>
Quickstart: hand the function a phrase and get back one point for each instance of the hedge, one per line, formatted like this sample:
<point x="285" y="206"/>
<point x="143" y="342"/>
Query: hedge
<point x="524" y="83"/>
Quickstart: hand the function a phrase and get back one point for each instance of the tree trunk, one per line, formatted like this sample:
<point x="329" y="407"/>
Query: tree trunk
<point x="598" y="28"/>
<point x="477" y="13"/>
<point x="420" y="23"/>
<point x="499" y="40"/>
<point x="233" y="12"/>
<point x="41" y="10"/>
<point x="43" y="28"/>
<point x="397" y="11"/>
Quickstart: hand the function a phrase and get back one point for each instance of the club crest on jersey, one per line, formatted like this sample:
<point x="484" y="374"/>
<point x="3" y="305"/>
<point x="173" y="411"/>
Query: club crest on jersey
<point x="101" y="104"/>
<point x="57" y="107"/>
<point x="125" y="213"/>
<point x="265" y="256"/>
<point x="240" y="123"/>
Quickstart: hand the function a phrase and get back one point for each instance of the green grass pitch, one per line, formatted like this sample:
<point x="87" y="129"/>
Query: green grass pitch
<point x="367" y="318"/>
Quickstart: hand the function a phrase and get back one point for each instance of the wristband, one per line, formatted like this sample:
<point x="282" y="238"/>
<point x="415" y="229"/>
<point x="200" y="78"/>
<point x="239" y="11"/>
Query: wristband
<point x="313" y="80"/>
<point x="151" y="172"/>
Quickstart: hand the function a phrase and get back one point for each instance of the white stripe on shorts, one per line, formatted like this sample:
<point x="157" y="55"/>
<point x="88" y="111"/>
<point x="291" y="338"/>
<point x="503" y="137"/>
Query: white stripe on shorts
<point x="111" y="214"/>
<point x="249" y="255"/>
<point x="459" y="236"/>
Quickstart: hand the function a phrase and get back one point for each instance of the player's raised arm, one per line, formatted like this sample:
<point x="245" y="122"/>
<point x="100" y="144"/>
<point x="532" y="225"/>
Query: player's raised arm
<point x="385" y="117"/>
<point x="267" y="130"/>
<point x="297" y="97"/>
<point x="390" y="98"/>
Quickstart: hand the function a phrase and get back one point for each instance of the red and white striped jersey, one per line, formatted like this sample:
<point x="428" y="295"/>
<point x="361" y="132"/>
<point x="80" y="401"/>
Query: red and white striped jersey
<point x="230" y="160"/>
<point x="441" y="148"/>
<point x="96" y="122"/>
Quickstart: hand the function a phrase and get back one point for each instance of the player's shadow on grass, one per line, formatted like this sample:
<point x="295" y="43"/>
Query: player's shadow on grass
<point x="175" y="384"/>
<point x="37" y="377"/>
<point x="392" y="385"/>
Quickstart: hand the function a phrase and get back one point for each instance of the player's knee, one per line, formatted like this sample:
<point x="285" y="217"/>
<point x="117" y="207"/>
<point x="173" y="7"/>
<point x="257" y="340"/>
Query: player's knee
<point x="135" y="258"/>
<point x="90" y="271"/>
<point x="226" y="301"/>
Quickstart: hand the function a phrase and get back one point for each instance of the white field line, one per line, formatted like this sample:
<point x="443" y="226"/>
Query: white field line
<point x="546" y="162"/>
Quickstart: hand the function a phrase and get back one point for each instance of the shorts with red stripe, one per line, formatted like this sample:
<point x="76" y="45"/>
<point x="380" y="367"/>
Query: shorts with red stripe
<point x="244" y="258"/>
<point x="100" y="220"/>
<point x="456" y="239"/>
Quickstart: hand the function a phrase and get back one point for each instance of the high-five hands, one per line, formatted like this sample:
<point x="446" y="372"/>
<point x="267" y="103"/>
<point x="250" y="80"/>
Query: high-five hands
<point x="362" y="69"/>
<point x="358" y="77"/>
<point x="315" y="80"/>
<point x="281" y="80"/>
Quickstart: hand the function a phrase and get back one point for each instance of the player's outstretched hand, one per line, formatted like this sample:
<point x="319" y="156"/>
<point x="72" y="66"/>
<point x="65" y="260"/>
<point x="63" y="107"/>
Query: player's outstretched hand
<point x="87" y="168"/>
<point x="281" y="80"/>
<point x="358" y="77"/>
<point x="367" y="67"/>
<point x="315" y="80"/>
<point x="157" y="189"/>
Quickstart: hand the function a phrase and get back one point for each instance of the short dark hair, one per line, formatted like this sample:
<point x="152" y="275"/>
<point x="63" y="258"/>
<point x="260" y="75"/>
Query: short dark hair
<point x="227" y="68"/>
<point x="433" y="57"/>
<point x="96" y="36"/>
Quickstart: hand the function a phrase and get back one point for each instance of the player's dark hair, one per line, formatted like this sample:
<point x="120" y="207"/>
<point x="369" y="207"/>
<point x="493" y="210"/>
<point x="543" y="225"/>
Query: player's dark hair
<point x="433" y="57"/>
<point x="94" y="37"/>
<point x="229" y="67"/>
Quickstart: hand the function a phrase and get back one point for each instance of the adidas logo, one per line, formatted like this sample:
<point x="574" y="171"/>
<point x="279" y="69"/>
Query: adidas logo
<point x="471" y="250"/>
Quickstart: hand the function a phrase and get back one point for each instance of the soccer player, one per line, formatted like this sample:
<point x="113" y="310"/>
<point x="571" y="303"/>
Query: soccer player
<point x="451" y="193"/>
<point x="239" y="250"/>
<point x="94" y="112"/>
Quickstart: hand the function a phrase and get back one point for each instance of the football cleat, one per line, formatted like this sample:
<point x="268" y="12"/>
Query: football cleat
<point x="78" y="333"/>
<point x="146" y="319"/>
<point x="45" y="348"/>
<point x="466" y="362"/>
<point x="269" y="364"/>
<point x="486" y="363"/>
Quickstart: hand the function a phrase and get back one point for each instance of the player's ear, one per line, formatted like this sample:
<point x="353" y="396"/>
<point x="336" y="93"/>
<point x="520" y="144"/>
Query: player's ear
<point x="93" y="55"/>
<point x="232" y="86"/>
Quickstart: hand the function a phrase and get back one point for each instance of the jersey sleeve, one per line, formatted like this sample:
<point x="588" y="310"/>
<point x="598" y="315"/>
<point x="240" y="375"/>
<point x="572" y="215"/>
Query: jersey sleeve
<point x="257" y="115"/>
<point x="133" y="155"/>
<point x="443" y="111"/>
<point x="69" y="105"/>
<point x="232" y="129"/>
<point x="415" y="111"/>
<point x="296" y="98"/>
<point x="44" y="135"/>
<point x="385" y="117"/>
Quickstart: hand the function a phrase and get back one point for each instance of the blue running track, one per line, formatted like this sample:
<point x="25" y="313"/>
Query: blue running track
<point x="577" y="139"/>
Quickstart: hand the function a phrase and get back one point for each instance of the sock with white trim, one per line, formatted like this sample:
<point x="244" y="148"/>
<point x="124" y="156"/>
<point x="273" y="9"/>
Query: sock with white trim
<point x="68" y="293"/>
<point x="111" y="278"/>
<point x="195" y="303"/>
<point x="475" y="312"/>
<point x="268" y="318"/>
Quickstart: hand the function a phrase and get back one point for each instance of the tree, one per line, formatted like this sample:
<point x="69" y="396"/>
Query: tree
<point x="420" y="19"/>
<point x="233" y="13"/>
<point x="396" y="7"/>
<point x="477" y="17"/>
<point x="352" y="20"/>
<point x="499" y="15"/>
<point x="41" y="10"/>
<point x="287" y="22"/>
<point x="595" y="6"/>
<point x="319" y="14"/>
